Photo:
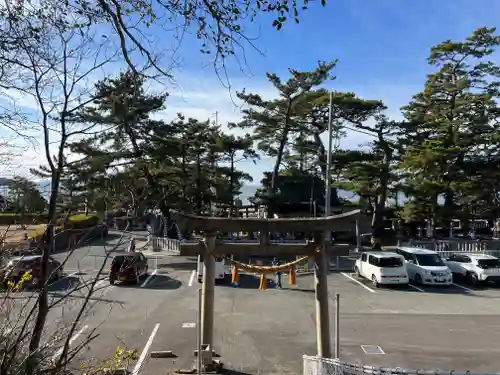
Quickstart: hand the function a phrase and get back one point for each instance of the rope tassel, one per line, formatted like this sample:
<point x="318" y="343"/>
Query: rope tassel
<point x="263" y="281"/>
<point x="235" y="275"/>
<point x="292" y="279"/>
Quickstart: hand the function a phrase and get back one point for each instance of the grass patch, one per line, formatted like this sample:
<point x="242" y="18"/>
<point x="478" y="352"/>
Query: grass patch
<point x="38" y="232"/>
<point x="80" y="217"/>
<point x="73" y="219"/>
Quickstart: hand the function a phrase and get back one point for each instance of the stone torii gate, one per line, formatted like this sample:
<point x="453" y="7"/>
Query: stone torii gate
<point x="318" y="226"/>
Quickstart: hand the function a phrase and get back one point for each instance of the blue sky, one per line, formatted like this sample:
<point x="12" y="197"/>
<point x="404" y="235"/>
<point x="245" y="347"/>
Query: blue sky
<point x="381" y="45"/>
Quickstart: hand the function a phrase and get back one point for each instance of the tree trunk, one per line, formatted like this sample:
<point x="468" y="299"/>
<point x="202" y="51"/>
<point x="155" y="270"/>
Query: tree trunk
<point x="43" y="304"/>
<point x="379" y="211"/>
<point x="271" y="208"/>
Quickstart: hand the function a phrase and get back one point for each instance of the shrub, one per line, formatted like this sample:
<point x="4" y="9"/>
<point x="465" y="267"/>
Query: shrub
<point x="11" y="218"/>
<point x="82" y="221"/>
<point x="40" y="231"/>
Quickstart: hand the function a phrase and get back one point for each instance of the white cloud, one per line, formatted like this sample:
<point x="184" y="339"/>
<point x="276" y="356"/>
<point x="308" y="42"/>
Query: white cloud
<point x="200" y="98"/>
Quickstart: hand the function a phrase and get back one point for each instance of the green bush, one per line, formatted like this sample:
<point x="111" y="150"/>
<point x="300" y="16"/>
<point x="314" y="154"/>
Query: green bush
<point x="11" y="218"/>
<point x="38" y="232"/>
<point x="82" y="221"/>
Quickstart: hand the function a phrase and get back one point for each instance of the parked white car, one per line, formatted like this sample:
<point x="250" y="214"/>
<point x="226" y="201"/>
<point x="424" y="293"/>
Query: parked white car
<point x="475" y="267"/>
<point x="222" y="269"/>
<point x="382" y="268"/>
<point x="426" y="266"/>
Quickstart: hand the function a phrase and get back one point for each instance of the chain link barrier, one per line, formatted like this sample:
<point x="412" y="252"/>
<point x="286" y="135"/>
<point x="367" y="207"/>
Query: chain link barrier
<point x="313" y="365"/>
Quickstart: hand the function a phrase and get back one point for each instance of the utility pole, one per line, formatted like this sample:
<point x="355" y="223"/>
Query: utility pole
<point x="214" y="167"/>
<point x="328" y="177"/>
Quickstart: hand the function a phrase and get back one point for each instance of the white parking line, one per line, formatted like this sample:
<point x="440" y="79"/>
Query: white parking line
<point x="357" y="281"/>
<point x="75" y="336"/>
<point x="149" y="278"/>
<point x="464" y="288"/>
<point x="417" y="288"/>
<point x="144" y="353"/>
<point x="191" y="278"/>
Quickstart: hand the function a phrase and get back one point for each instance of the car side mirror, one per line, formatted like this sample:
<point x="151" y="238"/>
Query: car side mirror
<point x="411" y="262"/>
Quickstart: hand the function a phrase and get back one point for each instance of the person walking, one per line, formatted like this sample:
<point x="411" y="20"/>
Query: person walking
<point x="149" y="228"/>
<point x="131" y="246"/>
<point x="278" y="274"/>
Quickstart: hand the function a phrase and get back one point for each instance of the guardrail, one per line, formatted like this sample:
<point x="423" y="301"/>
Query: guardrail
<point x="458" y="245"/>
<point x="244" y="240"/>
<point x="165" y="244"/>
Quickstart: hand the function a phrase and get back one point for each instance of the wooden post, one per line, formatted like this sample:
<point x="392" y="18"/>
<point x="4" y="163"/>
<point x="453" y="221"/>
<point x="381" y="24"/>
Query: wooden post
<point x="321" y="290"/>
<point x="207" y="322"/>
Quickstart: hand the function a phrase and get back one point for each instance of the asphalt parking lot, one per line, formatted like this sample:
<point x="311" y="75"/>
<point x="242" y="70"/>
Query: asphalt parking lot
<point x="269" y="331"/>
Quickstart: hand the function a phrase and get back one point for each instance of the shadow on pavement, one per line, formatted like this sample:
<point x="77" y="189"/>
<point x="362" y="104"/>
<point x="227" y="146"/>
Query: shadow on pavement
<point x="160" y="282"/>
<point x="246" y="282"/>
<point x="179" y="266"/>
<point x="68" y="282"/>
<point x="105" y="239"/>
<point x="228" y="371"/>
<point x="299" y="290"/>
<point x="163" y="282"/>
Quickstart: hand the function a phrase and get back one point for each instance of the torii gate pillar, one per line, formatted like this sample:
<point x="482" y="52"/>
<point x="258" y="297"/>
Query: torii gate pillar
<point x="321" y="291"/>
<point x="208" y="292"/>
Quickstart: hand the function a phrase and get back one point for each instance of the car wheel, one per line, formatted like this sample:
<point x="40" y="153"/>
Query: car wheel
<point x="472" y="279"/>
<point x="418" y="279"/>
<point x="200" y="280"/>
<point x="356" y="271"/>
<point x="375" y="282"/>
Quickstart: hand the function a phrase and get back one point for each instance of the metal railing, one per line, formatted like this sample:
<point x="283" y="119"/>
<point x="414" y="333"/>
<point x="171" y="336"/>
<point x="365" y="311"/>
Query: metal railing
<point x="165" y="244"/>
<point x="458" y="245"/>
<point x="313" y="365"/>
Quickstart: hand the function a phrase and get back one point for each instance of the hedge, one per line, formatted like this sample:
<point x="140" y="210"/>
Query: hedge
<point x="11" y="218"/>
<point x="80" y="221"/>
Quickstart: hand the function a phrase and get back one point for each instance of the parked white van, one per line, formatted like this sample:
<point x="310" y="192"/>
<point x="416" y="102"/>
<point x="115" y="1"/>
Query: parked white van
<point x="382" y="268"/>
<point x="222" y="269"/>
<point x="426" y="266"/>
<point x="475" y="267"/>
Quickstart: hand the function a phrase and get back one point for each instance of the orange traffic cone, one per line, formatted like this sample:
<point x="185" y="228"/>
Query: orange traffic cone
<point x="292" y="279"/>
<point x="263" y="281"/>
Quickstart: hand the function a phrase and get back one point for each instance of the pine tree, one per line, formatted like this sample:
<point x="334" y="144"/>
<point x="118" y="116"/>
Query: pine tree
<point x="453" y="121"/>
<point x="123" y="111"/>
<point x="274" y="122"/>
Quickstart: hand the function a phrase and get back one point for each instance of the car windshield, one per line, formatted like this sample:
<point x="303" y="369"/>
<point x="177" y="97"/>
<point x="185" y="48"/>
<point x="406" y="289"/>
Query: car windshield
<point x="391" y="262"/>
<point x="430" y="260"/>
<point x="20" y="263"/>
<point x="489" y="263"/>
<point x="123" y="262"/>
